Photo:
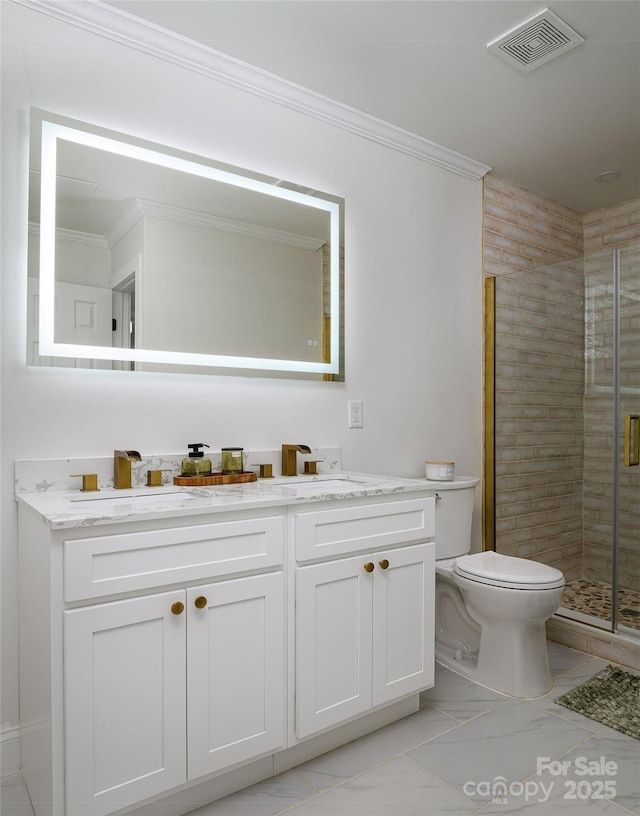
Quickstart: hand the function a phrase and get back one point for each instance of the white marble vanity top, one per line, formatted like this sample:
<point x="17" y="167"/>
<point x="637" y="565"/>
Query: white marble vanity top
<point x="61" y="509"/>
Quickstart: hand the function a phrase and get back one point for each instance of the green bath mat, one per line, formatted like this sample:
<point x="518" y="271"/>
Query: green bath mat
<point x="611" y="697"/>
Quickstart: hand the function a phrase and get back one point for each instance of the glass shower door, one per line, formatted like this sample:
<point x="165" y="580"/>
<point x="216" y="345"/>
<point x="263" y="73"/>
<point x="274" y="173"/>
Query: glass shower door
<point x="626" y="602"/>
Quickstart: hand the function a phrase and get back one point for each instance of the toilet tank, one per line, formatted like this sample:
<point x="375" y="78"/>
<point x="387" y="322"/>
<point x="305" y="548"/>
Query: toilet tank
<point x="454" y="511"/>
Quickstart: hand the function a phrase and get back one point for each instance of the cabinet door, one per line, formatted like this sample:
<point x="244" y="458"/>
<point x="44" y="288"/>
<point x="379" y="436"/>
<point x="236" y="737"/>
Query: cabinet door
<point x="124" y="666"/>
<point x="333" y="643"/>
<point x="403" y="622"/>
<point x="235" y="671"/>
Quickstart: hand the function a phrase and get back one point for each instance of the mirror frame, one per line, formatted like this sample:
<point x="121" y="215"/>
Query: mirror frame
<point x="51" y="133"/>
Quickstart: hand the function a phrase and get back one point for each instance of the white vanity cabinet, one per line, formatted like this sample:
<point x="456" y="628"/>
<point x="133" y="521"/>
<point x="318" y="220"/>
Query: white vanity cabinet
<point x="170" y="657"/>
<point x="364" y="623"/>
<point x="167" y="688"/>
<point x="173" y="682"/>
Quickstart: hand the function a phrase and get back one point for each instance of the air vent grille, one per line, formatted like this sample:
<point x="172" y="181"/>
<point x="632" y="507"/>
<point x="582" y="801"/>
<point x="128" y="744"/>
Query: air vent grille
<point x="535" y="41"/>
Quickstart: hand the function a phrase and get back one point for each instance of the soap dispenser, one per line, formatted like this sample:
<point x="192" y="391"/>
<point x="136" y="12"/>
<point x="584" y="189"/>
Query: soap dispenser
<point x="196" y="464"/>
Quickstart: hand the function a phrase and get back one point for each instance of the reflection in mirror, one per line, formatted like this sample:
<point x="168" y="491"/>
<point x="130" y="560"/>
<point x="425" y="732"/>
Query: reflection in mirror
<point x="148" y="259"/>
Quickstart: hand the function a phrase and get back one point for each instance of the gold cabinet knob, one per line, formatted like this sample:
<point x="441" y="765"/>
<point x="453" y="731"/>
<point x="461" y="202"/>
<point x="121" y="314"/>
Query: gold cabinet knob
<point x="200" y="602"/>
<point x="384" y="564"/>
<point x="177" y="608"/>
<point x="369" y="566"/>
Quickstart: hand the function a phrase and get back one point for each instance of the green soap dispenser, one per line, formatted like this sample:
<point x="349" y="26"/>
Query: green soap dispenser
<point x="196" y="464"/>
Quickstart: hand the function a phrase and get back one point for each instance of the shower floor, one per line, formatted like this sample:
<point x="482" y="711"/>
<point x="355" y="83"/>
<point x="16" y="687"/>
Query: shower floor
<point x="594" y="598"/>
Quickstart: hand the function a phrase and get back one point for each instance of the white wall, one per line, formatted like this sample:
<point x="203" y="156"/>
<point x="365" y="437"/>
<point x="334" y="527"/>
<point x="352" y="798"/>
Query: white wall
<point x="413" y="286"/>
<point x="76" y="262"/>
<point x="245" y="288"/>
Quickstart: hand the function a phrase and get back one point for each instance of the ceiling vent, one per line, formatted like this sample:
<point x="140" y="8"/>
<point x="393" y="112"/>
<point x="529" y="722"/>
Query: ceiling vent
<point x="535" y="41"/>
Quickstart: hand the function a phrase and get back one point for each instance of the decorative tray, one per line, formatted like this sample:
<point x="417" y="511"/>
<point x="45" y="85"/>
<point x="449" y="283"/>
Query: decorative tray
<point x="216" y="479"/>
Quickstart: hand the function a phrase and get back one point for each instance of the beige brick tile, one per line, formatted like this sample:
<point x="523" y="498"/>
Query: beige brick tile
<point x="530" y="493"/>
<point x="516" y="260"/>
<point x="624" y="207"/>
<point x="571" y="238"/>
<point x="499" y="211"/>
<point x="566" y="212"/>
<point x="491" y="252"/>
<point x="625" y="656"/>
<point x="525" y="206"/>
<point x="564" y="489"/>
<point x="536" y="198"/>
<point x="524" y="230"/>
<point x="558" y="632"/>
<point x="538" y="254"/>
<point x="592" y="217"/>
<point x="496" y="268"/>
<point x="540" y="323"/>
<point x="492" y="223"/>
<point x="622" y="235"/>
<point x="593" y="244"/>
<point x="497" y="239"/>
<point x="494" y="182"/>
<point x="492" y="194"/>
<point x="613" y="222"/>
<point x="504" y="527"/>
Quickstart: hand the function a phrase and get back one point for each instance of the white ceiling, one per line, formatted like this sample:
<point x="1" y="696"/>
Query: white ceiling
<point x="423" y="66"/>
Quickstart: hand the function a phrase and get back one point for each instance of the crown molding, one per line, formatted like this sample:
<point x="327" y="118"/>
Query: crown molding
<point x="125" y="221"/>
<point x="140" y="207"/>
<point x="73" y="236"/>
<point x="126" y="29"/>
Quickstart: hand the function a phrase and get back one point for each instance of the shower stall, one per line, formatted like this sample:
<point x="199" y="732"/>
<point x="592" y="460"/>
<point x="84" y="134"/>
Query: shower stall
<point x="562" y="395"/>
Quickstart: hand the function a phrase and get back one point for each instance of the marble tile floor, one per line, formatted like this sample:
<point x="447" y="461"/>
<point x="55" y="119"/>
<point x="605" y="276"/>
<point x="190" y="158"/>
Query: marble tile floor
<point x="594" y="598"/>
<point x="467" y="751"/>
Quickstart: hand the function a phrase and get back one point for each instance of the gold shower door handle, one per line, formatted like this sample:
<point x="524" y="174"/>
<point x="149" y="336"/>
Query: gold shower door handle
<point x="631" y="440"/>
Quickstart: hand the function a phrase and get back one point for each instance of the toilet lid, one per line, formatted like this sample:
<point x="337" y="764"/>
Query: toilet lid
<point x="504" y="570"/>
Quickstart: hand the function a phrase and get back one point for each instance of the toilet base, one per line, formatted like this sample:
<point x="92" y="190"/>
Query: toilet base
<point x="495" y="636"/>
<point x="527" y="681"/>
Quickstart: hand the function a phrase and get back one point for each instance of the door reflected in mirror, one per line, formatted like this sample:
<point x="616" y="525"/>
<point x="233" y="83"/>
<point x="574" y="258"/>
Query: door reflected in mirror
<point x="150" y="259"/>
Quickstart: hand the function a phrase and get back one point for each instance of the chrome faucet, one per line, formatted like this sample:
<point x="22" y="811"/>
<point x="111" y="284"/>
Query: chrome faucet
<point x="122" y="467"/>
<point x="290" y="460"/>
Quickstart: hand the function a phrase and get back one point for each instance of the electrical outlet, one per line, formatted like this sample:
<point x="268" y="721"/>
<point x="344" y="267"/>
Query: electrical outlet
<point x="355" y="413"/>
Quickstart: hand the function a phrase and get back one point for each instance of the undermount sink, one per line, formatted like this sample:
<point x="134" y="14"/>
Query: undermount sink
<point x="321" y="485"/>
<point x="159" y="498"/>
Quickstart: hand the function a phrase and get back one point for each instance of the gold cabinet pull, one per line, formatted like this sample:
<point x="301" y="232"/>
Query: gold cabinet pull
<point x="200" y="602"/>
<point x="177" y="608"/>
<point x="369" y="566"/>
<point x="631" y="440"/>
<point x="384" y="564"/>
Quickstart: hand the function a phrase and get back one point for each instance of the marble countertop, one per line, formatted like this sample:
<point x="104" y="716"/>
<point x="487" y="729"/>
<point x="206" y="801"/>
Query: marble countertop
<point x="62" y="509"/>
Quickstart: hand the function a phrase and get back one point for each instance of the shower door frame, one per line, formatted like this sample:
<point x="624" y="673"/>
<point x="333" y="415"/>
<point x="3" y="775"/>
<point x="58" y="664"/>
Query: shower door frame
<point x="619" y="453"/>
<point x="610" y="624"/>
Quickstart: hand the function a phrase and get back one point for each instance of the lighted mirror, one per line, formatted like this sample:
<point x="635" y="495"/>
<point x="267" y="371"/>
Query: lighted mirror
<point x="148" y="258"/>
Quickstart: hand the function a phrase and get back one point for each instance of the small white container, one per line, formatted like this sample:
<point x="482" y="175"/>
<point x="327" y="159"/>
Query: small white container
<point x="440" y="471"/>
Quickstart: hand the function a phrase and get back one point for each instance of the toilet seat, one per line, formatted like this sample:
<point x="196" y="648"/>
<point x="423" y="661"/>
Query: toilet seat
<point x="506" y="571"/>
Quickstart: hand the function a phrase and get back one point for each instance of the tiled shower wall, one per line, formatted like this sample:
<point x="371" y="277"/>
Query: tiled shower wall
<point x="598" y="470"/>
<point x="547" y="477"/>
<point x="539" y="373"/>
<point x="615" y="227"/>
<point x="629" y="487"/>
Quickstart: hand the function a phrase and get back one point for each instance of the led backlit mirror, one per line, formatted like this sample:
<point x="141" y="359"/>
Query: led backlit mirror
<point x="148" y="259"/>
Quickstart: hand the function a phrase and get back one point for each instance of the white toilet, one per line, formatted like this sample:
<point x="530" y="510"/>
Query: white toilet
<point x="491" y="609"/>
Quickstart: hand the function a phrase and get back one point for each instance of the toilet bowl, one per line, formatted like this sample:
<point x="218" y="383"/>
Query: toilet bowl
<point x="491" y="609"/>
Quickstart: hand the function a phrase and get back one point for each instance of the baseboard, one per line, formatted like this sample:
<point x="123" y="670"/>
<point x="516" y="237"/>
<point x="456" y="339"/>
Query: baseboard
<point x="613" y="646"/>
<point x="9" y="750"/>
